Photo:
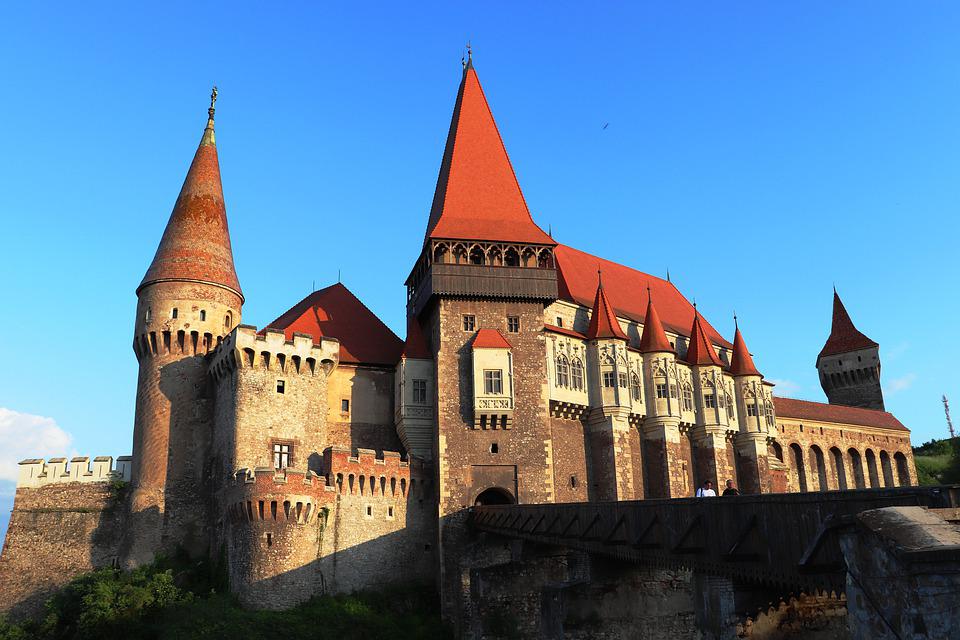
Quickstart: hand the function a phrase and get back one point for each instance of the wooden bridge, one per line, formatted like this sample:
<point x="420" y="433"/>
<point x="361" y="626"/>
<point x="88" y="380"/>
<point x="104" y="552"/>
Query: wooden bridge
<point x="783" y="540"/>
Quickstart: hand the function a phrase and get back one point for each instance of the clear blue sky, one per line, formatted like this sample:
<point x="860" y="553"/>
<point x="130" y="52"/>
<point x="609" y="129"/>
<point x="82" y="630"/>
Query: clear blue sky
<point x="761" y="151"/>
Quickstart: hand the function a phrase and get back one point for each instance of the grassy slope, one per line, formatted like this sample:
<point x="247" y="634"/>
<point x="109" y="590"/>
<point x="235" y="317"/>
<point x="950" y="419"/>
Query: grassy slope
<point x="938" y="461"/>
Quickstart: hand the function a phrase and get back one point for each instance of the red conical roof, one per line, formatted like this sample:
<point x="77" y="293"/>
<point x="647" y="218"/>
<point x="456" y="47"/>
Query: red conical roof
<point x="477" y="196"/>
<point x="741" y="364"/>
<point x="416" y="344"/>
<point x="701" y="351"/>
<point x="844" y="337"/>
<point x="196" y="243"/>
<point x="654" y="338"/>
<point x="603" y="321"/>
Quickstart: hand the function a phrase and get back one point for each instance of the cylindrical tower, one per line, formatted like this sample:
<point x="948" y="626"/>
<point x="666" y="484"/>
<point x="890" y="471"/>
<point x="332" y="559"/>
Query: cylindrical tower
<point x="188" y="300"/>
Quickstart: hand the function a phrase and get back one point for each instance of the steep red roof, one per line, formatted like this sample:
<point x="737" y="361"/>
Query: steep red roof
<point x="335" y="312"/>
<point x="416" y="344"/>
<point x="741" y="363"/>
<point x="478" y="196"/>
<point x="196" y="242"/>
<point x="624" y="288"/>
<point x="806" y="410"/>
<point x="653" y="338"/>
<point x="700" y="351"/>
<point x="603" y="321"/>
<point x="490" y="339"/>
<point x="844" y="337"/>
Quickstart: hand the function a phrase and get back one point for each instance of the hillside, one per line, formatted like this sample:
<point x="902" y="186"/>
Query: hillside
<point x="938" y="461"/>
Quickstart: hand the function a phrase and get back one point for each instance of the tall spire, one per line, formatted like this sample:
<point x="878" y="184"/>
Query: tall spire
<point x="701" y="351"/>
<point x="741" y="364"/>
<point x="844" y="336"/>
<point x="654" y="338"/>
<point x="196" y="242"/>
<point x="478" y="196"/>
<point x="603" y="321"/>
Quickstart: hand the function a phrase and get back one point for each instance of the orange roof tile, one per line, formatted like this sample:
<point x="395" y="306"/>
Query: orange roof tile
<point x="741" y="364"/>
<point x="624" y="288"/>
<point x="654" y="338"/>
<point x="416" y="344"/>
<point x="807" y="410"/>
<point x="700" y="351"/>
<point x="478" y="196"/>
<point x="603" y="321"/>
<point x="335" y="312"/>
<point x="490" y="339"/>
<point x="844" y="337"/>
<point x="196" y="241"/>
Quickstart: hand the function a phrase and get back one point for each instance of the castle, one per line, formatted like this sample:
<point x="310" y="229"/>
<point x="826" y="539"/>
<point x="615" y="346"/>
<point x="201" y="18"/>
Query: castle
<point x="323" y="454"/>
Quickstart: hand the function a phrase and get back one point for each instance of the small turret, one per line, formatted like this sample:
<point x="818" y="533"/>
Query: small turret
<point x="849" y="363"/>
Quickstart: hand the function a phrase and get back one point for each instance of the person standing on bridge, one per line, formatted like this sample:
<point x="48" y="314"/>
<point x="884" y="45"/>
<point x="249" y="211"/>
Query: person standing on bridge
<point x="706" y="491"/>
<point x="730" y="490"/>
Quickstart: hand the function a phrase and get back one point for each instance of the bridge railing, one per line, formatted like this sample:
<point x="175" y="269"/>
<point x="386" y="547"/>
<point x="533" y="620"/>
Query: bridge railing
<point x="783" y="540"/>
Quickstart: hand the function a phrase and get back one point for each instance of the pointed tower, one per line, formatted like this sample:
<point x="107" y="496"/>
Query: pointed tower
<point x="608" y="421"/>
<point x="755" y="418"/>
<point x="714" y="413"/>
<point x="849" y="363"/>
<point x="484" y="265"/>
<point x="662" y="450"/>
<point x="188" y="300"/>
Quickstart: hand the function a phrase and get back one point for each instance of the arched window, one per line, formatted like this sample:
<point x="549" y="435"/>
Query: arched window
<point x="635" y="387"/>
<point x="511" y="258"/>
<point x="576" y="369"/>
<point x="872" y="473"/>
<point x="477" y="256"/>
<point x="903" y="472"/>
<point x="776" y="450"/>
<point x="819" y="467"/>
<point x="857" y="465"/>
<point x="887" y="469"/>
<point x="836" y="457"/>
<point x="228" y="321"/>
<point x="797" y="472"/>
<point x="563" y="372"/>
<point x="545" y="260"/>
<point x="440" y="254"/>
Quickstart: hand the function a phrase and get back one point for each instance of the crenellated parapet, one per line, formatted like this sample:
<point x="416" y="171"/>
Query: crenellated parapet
<point x="244" y="347"/>
<point x="287" y="496"/>
<point x="37" y="473"/>
<point x="364" y="474"/>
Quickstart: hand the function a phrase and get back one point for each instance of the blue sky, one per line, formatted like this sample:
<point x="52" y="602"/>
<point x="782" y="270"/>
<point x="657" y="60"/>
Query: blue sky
<point x="760" y="151"/>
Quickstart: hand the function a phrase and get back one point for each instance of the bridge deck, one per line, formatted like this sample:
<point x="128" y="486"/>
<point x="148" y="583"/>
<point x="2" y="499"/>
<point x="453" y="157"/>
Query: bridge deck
<point x="786" y="540"/>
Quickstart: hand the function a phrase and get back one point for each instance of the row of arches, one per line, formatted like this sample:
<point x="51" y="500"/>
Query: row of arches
<point x="494" y="255"/>
<point x="814" y="470"/>
<point x="850" y="378"/>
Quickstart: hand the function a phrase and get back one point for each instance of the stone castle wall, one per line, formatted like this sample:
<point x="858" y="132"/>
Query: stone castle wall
<point x="65" y="521"/>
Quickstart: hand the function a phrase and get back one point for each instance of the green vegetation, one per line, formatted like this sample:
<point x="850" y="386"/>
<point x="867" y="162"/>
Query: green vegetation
<point x="938" y="461"/>
<point x="178" y="600"/>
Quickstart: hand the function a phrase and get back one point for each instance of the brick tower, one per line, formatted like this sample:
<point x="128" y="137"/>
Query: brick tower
<point x="188" y="300"/>
<point x="478" y="289"/>
<point x="849" y="364"/>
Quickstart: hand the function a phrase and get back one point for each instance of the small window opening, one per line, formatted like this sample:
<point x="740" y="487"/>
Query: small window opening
<point x="559" y="322"/>
<point x="173" y="313"/>
<point x="344" y="405"/>
<point x="573" y="481"/>
<point x="269" y="539"/>
<point x="203" y="314"/>
<point x="469" y="323"/>
<point x="281" y="456"/>
<point x="513" y="324"/>
<point x="389" y="512"/>
<point x="494" y="448"/>
<point x="280" y="386"/>
<point x="369" y="511"/>
<point x="146" y="316"/>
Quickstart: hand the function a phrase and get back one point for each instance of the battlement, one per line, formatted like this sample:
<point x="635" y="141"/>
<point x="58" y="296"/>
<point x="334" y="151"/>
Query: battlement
<point x="37" y="473"/>
<point x="182" y="342"/>
<point x="367" y="475"/>
<point x="270" y="350"/>
<point x="288" y="496"/>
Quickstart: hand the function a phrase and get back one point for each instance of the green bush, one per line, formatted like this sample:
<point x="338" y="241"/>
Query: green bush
<point x="177" y="600"/>
<point x="938" y="461"/>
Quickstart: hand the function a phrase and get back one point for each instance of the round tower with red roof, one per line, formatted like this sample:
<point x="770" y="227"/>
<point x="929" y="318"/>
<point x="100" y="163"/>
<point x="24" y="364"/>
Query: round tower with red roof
<point x="189" y="299"/>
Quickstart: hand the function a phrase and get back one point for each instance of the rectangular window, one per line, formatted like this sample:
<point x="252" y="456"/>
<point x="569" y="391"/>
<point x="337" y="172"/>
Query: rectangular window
<point x="608" y="379"/>
<point x="513" y="324"/>
<point x="344" y="406"/>
<point x="673" y="391"/>
<point x="559" y="322"/>
<point x="752" y="409"/>
<point x="203" y="315"/>
<point x="493" y="382"/>
<point x="687" y="400"/>
<point x="577" y="375"/>
<point x="281" y="386"/>
<point x="661" y="390"/>
<point x="710" y="401"/>
<point x="173" y="313"/>
<point x="469" y="323"/>
<point x="420" y="392"/>
<point x="623" y="380"/>
<point x="281" y="456"/>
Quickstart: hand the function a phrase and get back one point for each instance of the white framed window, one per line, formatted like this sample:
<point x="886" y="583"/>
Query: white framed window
<point x="609" y="380"/>
<point x="622" y="377"/>
<point x="576" y="374"/>
<point x="281" y="455"/>
<point x="687" y="399"/>
<point x="563" y="369"/>
<point x="752" y="409"/>
<point x="419" y="391"/>
<point x="661" y="390"/>
<point x="493" y="381"/>
<point x="709" y="401"/>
